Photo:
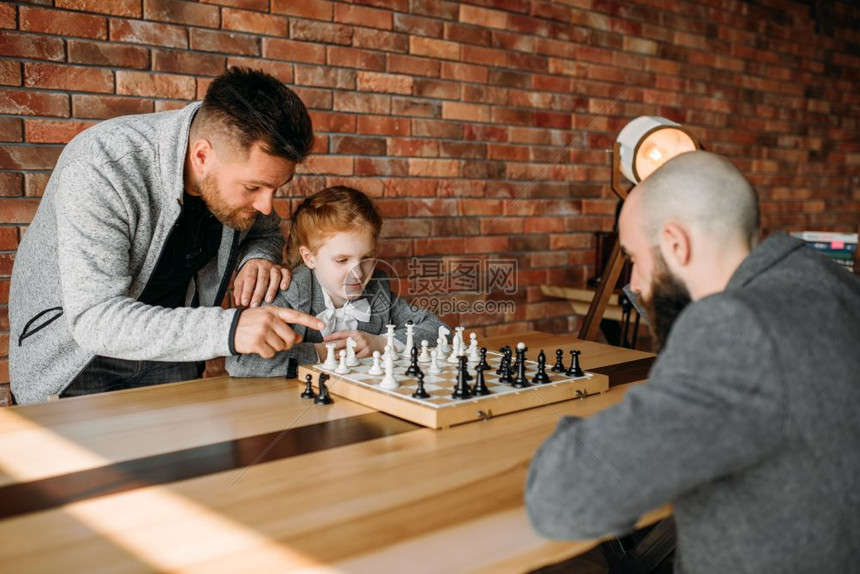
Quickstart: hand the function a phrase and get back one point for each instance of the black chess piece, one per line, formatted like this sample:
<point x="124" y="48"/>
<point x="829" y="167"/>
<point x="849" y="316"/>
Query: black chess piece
<point x="483" y="365"/>
<point x="521" y="381"/>
<point x="506" y="374"/>
<point x="541" y="378"/>
<point x="323" y="398"/>
<point x="480" y="385"/>
<point x="469" y="376"/>
<point x="558" y="367"/>
<point x="413" y="368"/>
<point x="505" y="361"/>
<point x="292" y="368"/>
<point x="420" y="393"/>
<point x="575" y="370"/>
<point x="462" y="390"/>
<point x="309" y="391"/>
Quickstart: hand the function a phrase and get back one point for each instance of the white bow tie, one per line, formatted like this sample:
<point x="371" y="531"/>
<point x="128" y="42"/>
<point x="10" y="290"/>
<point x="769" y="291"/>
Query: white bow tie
<point x="346" y="318"/>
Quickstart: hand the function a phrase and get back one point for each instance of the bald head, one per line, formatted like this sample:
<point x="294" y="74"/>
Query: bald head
<point x="690" y="224"/>
<point x="704" y="192"/>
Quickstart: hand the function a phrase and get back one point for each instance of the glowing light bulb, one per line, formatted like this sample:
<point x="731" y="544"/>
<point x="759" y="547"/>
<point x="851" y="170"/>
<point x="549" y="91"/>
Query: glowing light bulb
<point x="648" y="142"/>
<point x="655" y="154"/>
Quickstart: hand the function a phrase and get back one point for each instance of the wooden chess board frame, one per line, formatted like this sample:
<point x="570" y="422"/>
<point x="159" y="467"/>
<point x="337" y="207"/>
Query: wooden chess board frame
<point x="473" y="409"/>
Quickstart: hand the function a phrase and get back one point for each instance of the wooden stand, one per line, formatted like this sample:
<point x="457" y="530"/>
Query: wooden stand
<point x="591" y="323"/>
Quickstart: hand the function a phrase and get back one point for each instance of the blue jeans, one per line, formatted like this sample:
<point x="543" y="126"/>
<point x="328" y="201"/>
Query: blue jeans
<point x="105" y="374"/>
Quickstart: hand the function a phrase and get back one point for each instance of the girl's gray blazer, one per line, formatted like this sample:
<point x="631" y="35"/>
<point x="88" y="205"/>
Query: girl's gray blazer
<point x="305" y="294"/>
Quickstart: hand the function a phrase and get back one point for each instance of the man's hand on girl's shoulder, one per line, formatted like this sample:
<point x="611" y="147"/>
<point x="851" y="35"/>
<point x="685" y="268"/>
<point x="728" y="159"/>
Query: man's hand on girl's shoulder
<point x="259" y="279"/>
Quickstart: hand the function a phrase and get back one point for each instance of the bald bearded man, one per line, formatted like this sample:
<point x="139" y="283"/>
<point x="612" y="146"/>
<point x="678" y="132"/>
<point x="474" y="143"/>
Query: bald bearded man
<point x="748" y="423"/>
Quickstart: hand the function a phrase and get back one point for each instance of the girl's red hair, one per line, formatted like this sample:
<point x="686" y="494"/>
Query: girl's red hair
<point x="321" y="215"/>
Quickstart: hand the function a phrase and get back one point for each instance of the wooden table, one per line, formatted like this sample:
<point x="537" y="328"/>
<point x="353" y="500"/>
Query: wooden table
<point x="228" y="475"/>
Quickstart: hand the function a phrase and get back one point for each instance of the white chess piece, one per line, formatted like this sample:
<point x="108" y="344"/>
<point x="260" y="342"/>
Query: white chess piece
<point x="389" y="381"/>
<point x="434" y="363"/>
<point x="460" y="341"/>
<point x="424" y="357"/>
<point x="351" y="359"/>
<point x="342" y="369"/>
<point x="410" y="338"/>
<point x="442" y="341"/>
<point x="455" y="351"/>
<point x="330" y="361"/>
<point x="390" y="342"/>
<point x="473" y="348"/>
<point x="376" y="369"/>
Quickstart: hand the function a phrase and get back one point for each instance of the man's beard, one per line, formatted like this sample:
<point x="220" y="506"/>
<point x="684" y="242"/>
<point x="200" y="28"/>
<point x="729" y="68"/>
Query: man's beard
<point x="669" y="296"/>
<point x="232" y="218"/>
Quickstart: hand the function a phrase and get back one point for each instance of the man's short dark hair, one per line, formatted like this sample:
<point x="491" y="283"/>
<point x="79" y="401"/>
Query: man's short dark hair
<point x="251" y="106"/>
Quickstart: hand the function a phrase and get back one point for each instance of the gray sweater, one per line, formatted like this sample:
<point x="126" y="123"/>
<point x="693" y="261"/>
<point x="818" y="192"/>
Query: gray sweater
<point x="748" y="425"/>
<point x="305" y="294"/>
<point x="109" y="206"/>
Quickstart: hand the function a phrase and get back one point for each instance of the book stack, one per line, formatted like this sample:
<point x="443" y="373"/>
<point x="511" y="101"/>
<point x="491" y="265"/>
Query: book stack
<point x="838" y="246"/>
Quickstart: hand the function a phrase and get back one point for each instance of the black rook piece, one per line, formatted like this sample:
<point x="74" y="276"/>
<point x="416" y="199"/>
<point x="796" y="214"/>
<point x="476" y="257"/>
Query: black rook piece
<point x="462" y="390"/>
<point x="413" y="368"/>
<point x="521" y="382"/>
<point x="541" y="378"/>
<point x="308" y="392"/>
<point x="323" y="398"/>
<point x="575" y="370"/>
<point x="480" y="385"/>
<point x="420" y="393"/>
<point x="559" y="367"/>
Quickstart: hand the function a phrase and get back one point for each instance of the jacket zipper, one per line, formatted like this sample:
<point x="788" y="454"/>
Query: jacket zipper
<point x="161" y="252"/>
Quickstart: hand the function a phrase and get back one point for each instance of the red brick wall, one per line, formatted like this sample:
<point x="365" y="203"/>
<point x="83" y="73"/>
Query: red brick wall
<point x="453" y="114"/>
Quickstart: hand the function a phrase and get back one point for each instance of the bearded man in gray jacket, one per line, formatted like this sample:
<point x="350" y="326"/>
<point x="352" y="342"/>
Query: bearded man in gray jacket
<point x="748" y="423"/>
<point x="119" y="279"/>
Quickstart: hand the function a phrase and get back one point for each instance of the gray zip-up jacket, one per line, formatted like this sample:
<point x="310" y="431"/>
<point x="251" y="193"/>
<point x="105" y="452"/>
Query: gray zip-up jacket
<point x="110" y="204"/>
<point x="748" y="425"/>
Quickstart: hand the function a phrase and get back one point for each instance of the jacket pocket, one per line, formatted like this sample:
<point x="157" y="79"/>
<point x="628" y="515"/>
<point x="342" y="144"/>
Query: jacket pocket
<point x="30" y="329"/>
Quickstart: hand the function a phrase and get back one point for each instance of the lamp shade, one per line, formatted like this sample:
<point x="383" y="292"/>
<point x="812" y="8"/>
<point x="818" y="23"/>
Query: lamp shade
<point x="648" y="142"/>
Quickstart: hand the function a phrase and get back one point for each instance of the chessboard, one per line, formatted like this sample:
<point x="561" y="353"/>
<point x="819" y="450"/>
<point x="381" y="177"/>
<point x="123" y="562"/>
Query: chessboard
<point x="440" y="409"/>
